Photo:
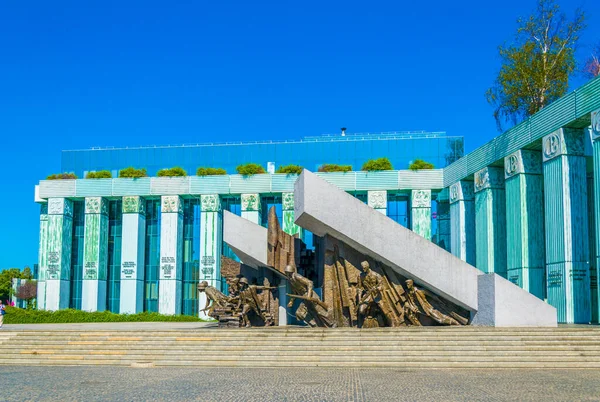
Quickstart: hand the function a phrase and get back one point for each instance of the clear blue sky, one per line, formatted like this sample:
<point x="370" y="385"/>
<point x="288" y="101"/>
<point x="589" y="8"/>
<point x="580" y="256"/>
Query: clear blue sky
<point x="76" y="74"/>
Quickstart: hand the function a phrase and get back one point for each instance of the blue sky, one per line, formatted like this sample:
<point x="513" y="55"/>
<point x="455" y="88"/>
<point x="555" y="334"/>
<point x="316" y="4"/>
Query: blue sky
<point x="76" y="74"/>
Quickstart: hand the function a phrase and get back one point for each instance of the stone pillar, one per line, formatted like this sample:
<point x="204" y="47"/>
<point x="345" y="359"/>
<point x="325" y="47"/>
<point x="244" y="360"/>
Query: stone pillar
<point x="462" y="221"/>
<point x="567" y="249"/>
<point x="443" y="220"/>
<point x="251" y="207"/>
<point x="288" y="225"/>
<point x="95" y="254"/>
<point x="378" y="200"/>
<point x="490" y="220"/>
<point x="596" y="153"/>
<point x="524" y="186"/>
<point x="171" y="258"/>
<point x="211" y="222"/>
<point x="42" y="258"/>
<point x="58" y="253"/>
<point x="420" y="212"/>
<point x="133" y="250"/>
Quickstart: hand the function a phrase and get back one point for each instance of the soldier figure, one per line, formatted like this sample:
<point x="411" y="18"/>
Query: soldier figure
<point x="249" y="301"/>
<point x="213" y="295"/>
<point x="311" y="310"/>
<point x="416" y="294"/>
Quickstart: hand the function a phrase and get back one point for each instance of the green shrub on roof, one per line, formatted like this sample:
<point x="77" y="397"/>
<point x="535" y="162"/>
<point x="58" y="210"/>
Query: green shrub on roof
<point x="101" y="174"/>
<point x="290" y="169"/>
<point x="420" y="164"/>
<point x="331" y="167"/>
<point x="172" y="172"/>
<point x="62" y="176"/>
<point x="377" y="164"/>
<point x="209" y="171"/>
<point x="132" y="173"/>
<point x="249" y="169"/>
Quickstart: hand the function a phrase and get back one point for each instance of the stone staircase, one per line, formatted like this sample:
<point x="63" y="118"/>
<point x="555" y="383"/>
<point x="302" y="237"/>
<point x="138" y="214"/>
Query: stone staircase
<point x="465" y="347"/>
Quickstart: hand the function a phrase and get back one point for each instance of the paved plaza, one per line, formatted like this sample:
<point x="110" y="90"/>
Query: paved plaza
<point x="292" y="384"/>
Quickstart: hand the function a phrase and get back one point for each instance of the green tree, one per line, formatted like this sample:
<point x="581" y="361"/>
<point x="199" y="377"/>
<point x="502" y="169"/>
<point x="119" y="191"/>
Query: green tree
<point x="420" y="164"/>
<point x="249" y="169"/>
<point x="62" y="176"/>
<point x="377" y="164"/>
<point x="6" y="277"/>
<point x="172" y="172"/>
<point x="101" y="174"/>
<point x="332" y="167"/>
<point x="290" y="169"/>
<point x="536" y="67"/>
<point x="209" y="171"/>
<point x="132" y="173"/>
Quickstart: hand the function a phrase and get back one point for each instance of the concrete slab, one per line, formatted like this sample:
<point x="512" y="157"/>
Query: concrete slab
<point x="247" y="239"/>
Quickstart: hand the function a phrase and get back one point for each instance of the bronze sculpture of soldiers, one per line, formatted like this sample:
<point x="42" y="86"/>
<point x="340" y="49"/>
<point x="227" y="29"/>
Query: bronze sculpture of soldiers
<point x="312" y="310"/>
<point x="214" y="298"/>
<point x="418" y="296"/>
<point x="250" y="301"/>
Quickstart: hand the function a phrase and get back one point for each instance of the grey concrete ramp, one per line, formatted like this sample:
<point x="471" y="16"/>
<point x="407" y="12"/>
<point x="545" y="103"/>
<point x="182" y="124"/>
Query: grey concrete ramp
<point x="324" y="209"/>
<point x="247" y="239"/>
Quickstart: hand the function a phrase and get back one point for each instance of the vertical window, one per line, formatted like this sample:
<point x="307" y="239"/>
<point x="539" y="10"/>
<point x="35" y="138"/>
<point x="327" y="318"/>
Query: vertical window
<point x="233" y="205"/>
<point x="77" y="254"/>
<point x="152" y="262"/>
<point x="266" y="203"/>
<point x="191" y="256"/>
<point x="115" y="227"/>
<point x="397" y="208"/>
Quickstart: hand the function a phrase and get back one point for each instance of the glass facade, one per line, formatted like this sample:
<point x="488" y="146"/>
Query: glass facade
<point x="77" y="254"/>
<point x="191" y="255"/>
<point x="266" y="203"/>
<point x="397" y="208"/>
<point x="152" y="258"/>
<point x="310" y="152"/>
<point x="234" y="205"/>
<point x="113" y="284"/>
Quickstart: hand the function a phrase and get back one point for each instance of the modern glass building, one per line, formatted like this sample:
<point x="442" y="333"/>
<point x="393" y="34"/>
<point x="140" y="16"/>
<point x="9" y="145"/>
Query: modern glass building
<point x="310" y="152"/>
<point x="524" y="206"/>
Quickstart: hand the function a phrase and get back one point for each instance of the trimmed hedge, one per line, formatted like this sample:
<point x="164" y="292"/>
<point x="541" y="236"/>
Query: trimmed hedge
<point x="377" y="164"/>
<point x="208" y="171"/>
<point x="62" y="176"/>
<point x="132" y="173"/>
<point x="172" y="172"/>
<point x="331" y="167"/>
<point x="16" y="315"/>
<point x="420" y="164"/>
<point x="249" y="169"/>
<point x="290" y="169"/>
<point x="101" y="174"/>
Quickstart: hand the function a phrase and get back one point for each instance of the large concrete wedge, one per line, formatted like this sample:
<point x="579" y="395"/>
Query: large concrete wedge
<point x="247" y="239"/>
<point x="324" y="209"/>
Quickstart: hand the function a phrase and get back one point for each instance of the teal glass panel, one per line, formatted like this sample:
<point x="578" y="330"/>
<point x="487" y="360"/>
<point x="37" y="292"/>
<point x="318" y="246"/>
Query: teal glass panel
<point x="397" y="208"/>
<point x="233" y="205"/>
<point x="266" y="202"/>
<point x="191" y="255"/>
<point x="115" y="228"/>
<point x="77" y="254"/>
<point x="152" y="258"/>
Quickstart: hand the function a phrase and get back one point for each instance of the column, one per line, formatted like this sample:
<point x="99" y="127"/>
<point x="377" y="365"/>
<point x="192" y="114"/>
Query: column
<point x="58" y="254"/>
<point x="211" y="221"/>
<point x="171" y="261"/>
<point x="42" y="258"/>
<point x="95" y="254"/>
<point x="289" y="227"/>
<point x="251" y="207"/>
<point x="462" y="221"/>
<point x="592" y="243"/>
<point x="378" y="200"/>
<point x="133" y="249"/>
<point x="490" y="220"/>
<point x="420" y="212"/>
<point x="596" y="210"/>
<point x="567" y="249"/>
<point x="443" y="219"/>
<point x="524" y="184"/>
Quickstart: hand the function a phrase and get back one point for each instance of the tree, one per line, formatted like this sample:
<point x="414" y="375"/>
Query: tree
<point x="6" y="277"/>
<point x="592" y="65"/>
<point x="377" y="164"/>
<point x="536" y="68"/>
<point x="132" y="173"/>
<point x="290" y="169"/>
<point x="420" y="164"/>
<point x="249" y="169"/>
<point x="28" y="292"/>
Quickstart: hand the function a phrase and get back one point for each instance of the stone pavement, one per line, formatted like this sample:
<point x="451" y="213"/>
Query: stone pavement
<point x="293" y="384"/>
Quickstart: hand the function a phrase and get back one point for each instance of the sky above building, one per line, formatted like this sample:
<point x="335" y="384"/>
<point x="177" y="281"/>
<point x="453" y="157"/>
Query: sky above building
<point x="77" y="74"/>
